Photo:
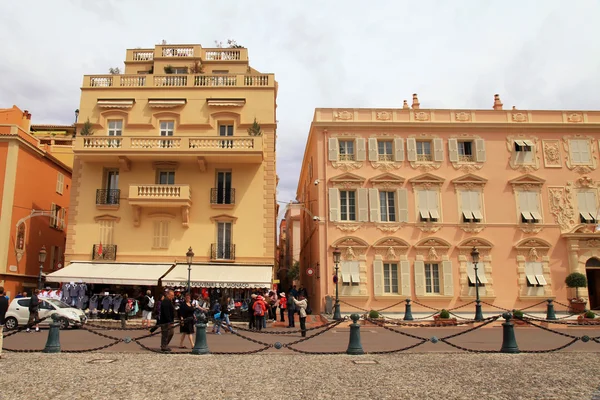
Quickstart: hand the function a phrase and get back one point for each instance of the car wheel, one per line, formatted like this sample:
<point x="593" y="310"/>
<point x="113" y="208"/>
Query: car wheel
<point x="11" y="323"/>
<point x="64" y="323"/>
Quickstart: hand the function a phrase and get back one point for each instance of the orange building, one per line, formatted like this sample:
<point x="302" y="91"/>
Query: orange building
<point x="34" y="198"/>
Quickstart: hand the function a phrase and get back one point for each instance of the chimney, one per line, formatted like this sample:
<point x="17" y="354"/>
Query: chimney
<point x="497" y="103"/>
<point x="415" y="103"/>
<point x="405" y="105"/>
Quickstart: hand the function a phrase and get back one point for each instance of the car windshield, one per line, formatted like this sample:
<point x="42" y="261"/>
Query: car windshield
<point x="58" y="303"/>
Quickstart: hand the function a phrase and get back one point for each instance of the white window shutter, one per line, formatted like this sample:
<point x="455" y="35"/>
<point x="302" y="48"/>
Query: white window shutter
<point x="156" y="237"/>
<point x="453" y="150"/>
<point x="448" y="281"/>
<point x="374" y="204"/>
<point x="423" y="206"/>
<point x="334" y="205"/>
<point x="411" y="149"/>
<point x="405" y="278"/>
<point x="165" y="234"/>
<point x="363" y="204"/>
<point x="419" y="278"/>
<point x="63" y="216"/>
<point x="584" y="151"/>
<point x="480" y="155"/>
<point x="433" y="203"/>
<point x="476" y="203"/>
<point x="398" y="149"/>
<point x="333" y="149"/>
<point x="438" y="149"/>
<point x="575" y="154"/>
<point x="378" y="277"/>
<point x="533" y="201"/>
<point x="361" y="149"/>
<point x="373" y="151"/>
<point x="523" y="202"/>
<point x="465" y="200"/>
<point x="591" y="203"/>
<point x="402" y="202"/>
<point x="53" y="217"/>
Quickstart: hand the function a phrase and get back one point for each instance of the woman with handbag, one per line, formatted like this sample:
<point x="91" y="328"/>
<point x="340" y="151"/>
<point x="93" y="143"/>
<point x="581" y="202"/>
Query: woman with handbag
<point x="186" y="316"/>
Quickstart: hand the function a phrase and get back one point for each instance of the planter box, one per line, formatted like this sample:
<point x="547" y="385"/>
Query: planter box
<point x="577" y="308"/>
<point x="437" y="321"/>
<point x="588" y="321"/>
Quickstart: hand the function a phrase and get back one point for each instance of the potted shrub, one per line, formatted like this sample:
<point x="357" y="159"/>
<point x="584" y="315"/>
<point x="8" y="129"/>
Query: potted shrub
<point x="587" y="318"/>
<point x="169" y="69"/>
<point x="517" y="318"/>
<point x="576" y="280"/>
<point x="374" y="316"/>
<point x="443" y="319"/>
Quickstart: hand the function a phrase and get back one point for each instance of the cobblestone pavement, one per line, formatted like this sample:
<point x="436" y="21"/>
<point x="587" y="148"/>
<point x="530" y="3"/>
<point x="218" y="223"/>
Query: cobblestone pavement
<point x="561" y="376"/>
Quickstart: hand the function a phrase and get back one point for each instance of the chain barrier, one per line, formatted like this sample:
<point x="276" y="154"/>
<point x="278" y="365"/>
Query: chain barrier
<point x="284" y="332"/>
<point x="358" y="308"/>
<point x="534" y="305"/>
<point x="393" y="305"/>
<point x="289" y="345"/>
<point x="434" y="325"/>
<point x="487" y="321"/>
<point x="398" y="350"/>
<point x="557" y="322"/>
<point x="25" y="327"/>
<point x="426" y="306"/>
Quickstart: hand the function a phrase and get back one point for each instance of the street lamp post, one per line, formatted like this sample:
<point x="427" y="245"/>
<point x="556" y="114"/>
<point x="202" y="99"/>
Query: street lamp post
<point x="475" y="258"/>
<point x="336" y="259"/>
<point x="42" y="260"/>
<point x="190" y="258"/>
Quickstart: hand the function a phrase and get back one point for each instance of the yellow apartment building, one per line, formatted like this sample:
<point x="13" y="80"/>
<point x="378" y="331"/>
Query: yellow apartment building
<point x="177" y="152"/>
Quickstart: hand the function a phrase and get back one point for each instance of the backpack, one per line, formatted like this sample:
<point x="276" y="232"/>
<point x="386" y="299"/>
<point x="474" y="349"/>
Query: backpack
<point x="258" y="310"/>
<point x="150" y="302"/>
<point x="128" y="306"/>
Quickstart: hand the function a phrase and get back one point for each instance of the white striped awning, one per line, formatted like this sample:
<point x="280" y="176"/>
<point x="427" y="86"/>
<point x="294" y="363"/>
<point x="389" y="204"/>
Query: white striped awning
<point x="221" y="276"/>
<point x="226" y="102"/>
<point x="115" y="103"/>
<point x="111" y="273"/>
<point x="166" y="103"/>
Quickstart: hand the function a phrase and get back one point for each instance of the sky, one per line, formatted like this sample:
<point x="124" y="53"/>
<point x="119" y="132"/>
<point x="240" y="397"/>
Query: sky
<point x="537" y="54"/>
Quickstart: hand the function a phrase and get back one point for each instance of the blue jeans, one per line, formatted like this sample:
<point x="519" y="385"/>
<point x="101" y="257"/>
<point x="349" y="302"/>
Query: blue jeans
<point x="224" y="319"/>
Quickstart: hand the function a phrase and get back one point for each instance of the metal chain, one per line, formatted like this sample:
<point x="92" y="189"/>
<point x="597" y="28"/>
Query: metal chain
<point x="359" y="308"/>
<point x="94" y="349"/>
<point x="464" y="305"/>
<point x="499" y="308"/>
<point x="487" y="322"/>
<point x="433" y="325"/>
<point x="426" y="306"/>
<point x="551" y="350"/>
<point x="285" y="332"/>
<point x="534" y="305"/>
<point x="527" y="320"/>
<point x="393" y="305"/>
<point x="398" y="332"/>
<point x="569" y="323"/>
<point x="304" y="339"/>
<point x="398" y="350"/>
<point x="467" y="349"/>
<point x="289" y="345"/>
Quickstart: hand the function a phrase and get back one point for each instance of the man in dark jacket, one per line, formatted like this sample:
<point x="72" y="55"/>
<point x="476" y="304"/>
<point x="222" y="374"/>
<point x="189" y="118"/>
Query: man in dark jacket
<point x="3" y="308"/>
<point x="291" y="307"/>
<point x="34" y="307"/>
<point x="167" y="316"/>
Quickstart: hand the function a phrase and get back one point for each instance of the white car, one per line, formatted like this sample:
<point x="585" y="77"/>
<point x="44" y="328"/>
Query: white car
<point x="18" y="313"/>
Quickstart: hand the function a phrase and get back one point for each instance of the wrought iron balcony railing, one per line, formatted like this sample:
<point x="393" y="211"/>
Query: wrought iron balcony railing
<point x="222" y="196"/>
<point x="222" y="251"/>
<point x="108" y="196"/>
<point x="107" y="252"/>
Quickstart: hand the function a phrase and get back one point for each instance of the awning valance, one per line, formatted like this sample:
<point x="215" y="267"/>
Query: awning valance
<point x="226" y="102"/>
<point x="166" y="103"/>
<point x="110" y="274"/>
<point x="221" y="276"/>
<point x="115" y="103"/>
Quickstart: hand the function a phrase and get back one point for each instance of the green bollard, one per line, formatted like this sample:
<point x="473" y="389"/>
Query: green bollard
<point x="53" y="341"/>
<point x="354" y="346"/>
<point x="509" y="342"/>
<point x="550" y="315"/>
<point x="408" y="311"/>
<point x="200" y="347"/>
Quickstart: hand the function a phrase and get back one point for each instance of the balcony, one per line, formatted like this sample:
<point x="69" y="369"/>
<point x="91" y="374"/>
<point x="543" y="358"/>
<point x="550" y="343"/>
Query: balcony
<point x="105" y="252"/>
<point x="243" y="149"/>
<point x="160" y="195"/>
<point x="108" y="198"/>
<point x="222" y="198"/>
<point x="222" y="252"/>
<point x="187" y="52"/>
<point x="177" y="80"/>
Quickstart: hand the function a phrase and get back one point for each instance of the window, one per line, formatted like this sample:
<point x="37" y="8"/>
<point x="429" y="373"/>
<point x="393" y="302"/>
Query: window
<point x="60" y="183"/>
<point x="110" y="194"/>
<point x="384" y="150"/>
<point x="57" y="217"/>
<point x="524" y="151"/>
<point x="465" y="151"/>
<point x="534" y="272"/>
<point x="387" y="206"/>
<point x="180" y="70"/>
<point x="224" y="248"/>
<point x="161" y="235"/>
<point x="480" y="274"/>
<point x="225" y="130"/>
<point x="428" y="205"/>
<point x="105" y="231"/>
<point x="54" y="257"/>
<point x="587" y="205"/>
<point x="115" y="127"/>
<point x="580" y="151"/>
<point x="390" y="278"/>
<point x="223" y="193"/>
<point x="529" y="205"/>
<point x="347" y="205"/>
<point x="166" y="129"/>
<point x="432" y="279"/>
<point x="471" y="206"/>
<point x="166" y="178"/>
<point x="424" y="150"/>
<point x="346" y="150"/>
<point x="350" y="273"/>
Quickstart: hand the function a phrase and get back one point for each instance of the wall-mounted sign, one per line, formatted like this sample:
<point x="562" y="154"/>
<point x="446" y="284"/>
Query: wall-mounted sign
<point x="224" y="285"/>
<point x="310" y="271"/>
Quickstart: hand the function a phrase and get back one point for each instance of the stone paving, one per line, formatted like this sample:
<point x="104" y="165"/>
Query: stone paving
<point x="560" y="376"/>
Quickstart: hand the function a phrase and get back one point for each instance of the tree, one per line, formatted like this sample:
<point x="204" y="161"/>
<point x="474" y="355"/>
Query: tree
<point x="294" y="272"/>
<point x="114" y="71"/>
<point x="576" y="280"/>
<point x="87" y="130"/>
<point x="254" y="130"/>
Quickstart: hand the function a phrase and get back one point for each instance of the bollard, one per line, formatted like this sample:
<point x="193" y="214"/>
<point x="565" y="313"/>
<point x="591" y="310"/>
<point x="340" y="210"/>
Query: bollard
<point x="53" y="341"/>
<point x="408" y="311"/>
<point x="200" y="347"/>
<point x="550" y="315"/>
<point x="355" y="346"/>
<point x="509" y="342"/>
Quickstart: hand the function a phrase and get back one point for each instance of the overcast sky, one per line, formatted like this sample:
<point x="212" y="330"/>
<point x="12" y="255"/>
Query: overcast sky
<point x="454" y="54"/>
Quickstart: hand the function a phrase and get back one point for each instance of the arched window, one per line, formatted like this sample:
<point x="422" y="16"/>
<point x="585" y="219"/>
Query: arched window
<point x="592" y="263"/>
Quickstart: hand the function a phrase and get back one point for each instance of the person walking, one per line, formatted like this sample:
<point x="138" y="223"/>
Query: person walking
<point x="291" y="309"/>
<point x="259" y="312"/>
<point x="251" y="311"/>
<point x="186" y="316"/>
<point x="167" y="316"/>
<point x="282" y="303"/>
<point x="216" y="312"/>
<point x="3" y="308"/>
<point x="147" y="307"/>
<point x="34" y="308"/>
<point x="123" y="310"/>
<point x="225" y="310"/>
<point x="302" y="304"/>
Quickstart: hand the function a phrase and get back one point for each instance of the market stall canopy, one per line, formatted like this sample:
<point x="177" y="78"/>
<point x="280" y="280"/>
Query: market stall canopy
<point x="111" y="274"/>
<point x="221" y="276"/>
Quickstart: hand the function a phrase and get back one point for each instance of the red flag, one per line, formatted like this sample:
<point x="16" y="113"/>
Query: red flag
<point x="100" y="249"/>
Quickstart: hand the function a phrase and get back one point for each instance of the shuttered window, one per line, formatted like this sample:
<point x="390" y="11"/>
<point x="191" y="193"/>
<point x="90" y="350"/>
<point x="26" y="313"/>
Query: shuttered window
<point x="529" y="207"/>
<point x="471" y="206"/>
<point x="106" y="229"/>
<point x="60" y="183"/>
<point x="428" y="205"/>
<point x="346" y="150"/>
<point x="432" y="278"/>
<point x="387" y="206"/>
<point x="390" y="278"/>
<point x="580" y="151"/>
<point x="161" y="235"/>
<point x="347" y="205"/>
<point x="587" y="205"/>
